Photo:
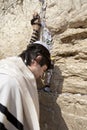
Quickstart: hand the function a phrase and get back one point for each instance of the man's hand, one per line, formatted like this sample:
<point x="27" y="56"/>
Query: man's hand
<point x="36" y="22"/>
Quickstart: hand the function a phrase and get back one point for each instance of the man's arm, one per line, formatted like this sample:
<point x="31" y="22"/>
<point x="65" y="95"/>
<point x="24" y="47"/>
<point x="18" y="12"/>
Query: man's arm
<point x="36" y="24"/>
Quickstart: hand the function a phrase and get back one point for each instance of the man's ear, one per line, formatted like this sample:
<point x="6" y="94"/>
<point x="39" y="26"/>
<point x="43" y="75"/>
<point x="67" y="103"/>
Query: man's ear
<point x="38" y="58"/>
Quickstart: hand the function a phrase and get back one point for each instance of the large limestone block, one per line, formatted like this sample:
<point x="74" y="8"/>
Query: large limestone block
<point x="70" y="71"/>
<point x="74" y="110"/>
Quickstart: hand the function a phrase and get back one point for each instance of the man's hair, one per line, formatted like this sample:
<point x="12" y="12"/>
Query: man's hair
<point x="34" y="50"/>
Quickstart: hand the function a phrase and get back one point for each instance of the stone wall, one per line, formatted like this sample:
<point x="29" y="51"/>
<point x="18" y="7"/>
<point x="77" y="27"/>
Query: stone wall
<point x="65" y="108"/>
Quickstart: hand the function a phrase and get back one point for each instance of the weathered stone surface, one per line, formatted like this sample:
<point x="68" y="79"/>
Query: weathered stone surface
<point x="51" y="116"/>
<point x="65" y="107"/>
<point x="74" y="110"/>
<point x="15" y="26"/>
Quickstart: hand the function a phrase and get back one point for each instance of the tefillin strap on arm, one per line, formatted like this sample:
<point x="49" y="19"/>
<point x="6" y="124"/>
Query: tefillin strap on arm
<point x="36" y="29"/>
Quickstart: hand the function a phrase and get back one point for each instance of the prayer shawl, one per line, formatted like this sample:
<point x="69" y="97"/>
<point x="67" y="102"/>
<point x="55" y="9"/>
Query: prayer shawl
<point x="19" y="107"/>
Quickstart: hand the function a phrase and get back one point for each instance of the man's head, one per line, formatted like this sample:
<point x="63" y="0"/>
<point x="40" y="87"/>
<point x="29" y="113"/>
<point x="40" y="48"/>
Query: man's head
<point x="37" y="58"/>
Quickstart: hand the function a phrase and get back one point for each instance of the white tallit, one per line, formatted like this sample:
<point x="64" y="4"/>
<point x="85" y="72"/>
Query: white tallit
<point x="18" y="95"/>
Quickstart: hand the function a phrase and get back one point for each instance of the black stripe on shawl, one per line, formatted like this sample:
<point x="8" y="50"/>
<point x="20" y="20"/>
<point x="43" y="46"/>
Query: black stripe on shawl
<point x="11" y="118"/>
<point x="2" y="127"/>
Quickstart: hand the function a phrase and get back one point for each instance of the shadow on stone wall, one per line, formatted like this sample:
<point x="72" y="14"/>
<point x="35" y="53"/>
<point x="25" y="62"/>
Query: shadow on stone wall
<point x="57" y="81"/>
<point x="50" y="112"/>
